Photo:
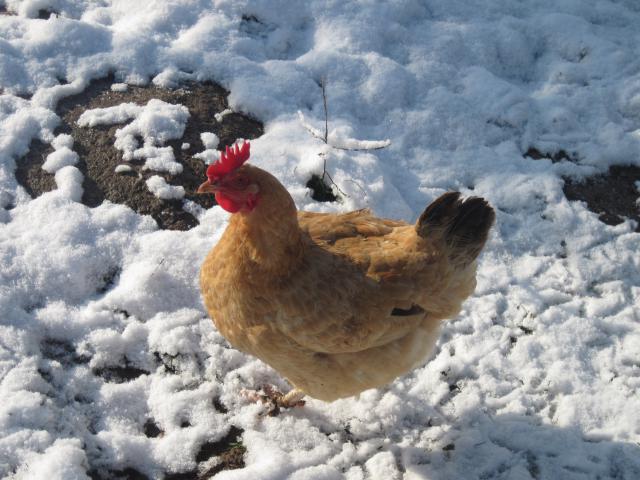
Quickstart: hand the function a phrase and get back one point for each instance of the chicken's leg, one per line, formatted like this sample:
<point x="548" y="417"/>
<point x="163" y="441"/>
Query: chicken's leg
<point x="291" y="399"/>
<point x="275" y="399"/>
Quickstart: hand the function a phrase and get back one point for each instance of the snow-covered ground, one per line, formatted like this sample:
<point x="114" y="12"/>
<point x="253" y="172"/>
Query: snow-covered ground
<point x="537" y="378"/>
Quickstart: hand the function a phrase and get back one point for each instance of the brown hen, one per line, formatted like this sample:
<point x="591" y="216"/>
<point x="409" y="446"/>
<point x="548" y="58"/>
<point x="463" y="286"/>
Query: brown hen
<point x="337" y="303"/>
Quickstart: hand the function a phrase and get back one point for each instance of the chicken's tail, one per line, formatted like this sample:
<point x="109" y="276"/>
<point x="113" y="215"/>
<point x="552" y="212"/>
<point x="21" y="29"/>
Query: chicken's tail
<point x="462" y="224"/>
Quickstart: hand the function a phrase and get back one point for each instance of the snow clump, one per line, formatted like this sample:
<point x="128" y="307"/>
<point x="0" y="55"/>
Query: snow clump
<point x="156" y="123"/>
<point x="161" y="189"/>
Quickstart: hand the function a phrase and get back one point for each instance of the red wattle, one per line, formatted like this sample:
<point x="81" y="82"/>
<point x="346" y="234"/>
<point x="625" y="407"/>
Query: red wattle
<point x="226" y="203"/>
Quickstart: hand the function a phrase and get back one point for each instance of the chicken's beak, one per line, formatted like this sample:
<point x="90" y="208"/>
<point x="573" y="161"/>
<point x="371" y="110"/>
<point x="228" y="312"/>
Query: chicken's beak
<point x="207" y="187"/>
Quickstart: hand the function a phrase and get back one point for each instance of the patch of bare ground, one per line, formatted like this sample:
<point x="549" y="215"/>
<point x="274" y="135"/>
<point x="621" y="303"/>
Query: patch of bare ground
<point x="320" y="191"/>
<point x="612" y="195"/>
<point x="99" y="157"/>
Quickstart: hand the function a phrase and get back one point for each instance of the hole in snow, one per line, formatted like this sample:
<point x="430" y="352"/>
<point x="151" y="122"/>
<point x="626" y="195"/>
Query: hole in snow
<point x="254" y="27"/>
<point x="108" y="280"/>
<point x="44" y="14"/>
<point x="229" y="450"/>
<point x="168" y="362"/>
<point x="555" y="157"/>
<point x="119" y="373"/>
<point x="320" y="191"/>
<point x="61" y="351"/>
<point x="219" y="406"/>
<point x="151" y="429"/>
<point x="128" y="473"/>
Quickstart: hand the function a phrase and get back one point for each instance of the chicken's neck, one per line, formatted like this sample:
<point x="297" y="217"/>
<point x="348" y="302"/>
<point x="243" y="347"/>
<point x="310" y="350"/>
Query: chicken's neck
<point x="269" y="238"/>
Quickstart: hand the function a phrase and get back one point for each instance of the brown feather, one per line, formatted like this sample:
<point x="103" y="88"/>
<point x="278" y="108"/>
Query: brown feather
<point x="314" y="295"/>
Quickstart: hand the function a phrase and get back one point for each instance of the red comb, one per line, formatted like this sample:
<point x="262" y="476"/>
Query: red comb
<point x="231" y="159"/>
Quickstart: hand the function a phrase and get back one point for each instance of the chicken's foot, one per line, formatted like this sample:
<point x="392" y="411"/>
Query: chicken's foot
<point x="274" y="399"/>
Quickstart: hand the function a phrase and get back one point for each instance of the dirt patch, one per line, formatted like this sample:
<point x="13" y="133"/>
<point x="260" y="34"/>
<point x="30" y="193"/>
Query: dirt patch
<point x="555" y="157"/>
<point x="62" y="352"/>
<point x="44" y="14"/>
<point x="613" y="195"/>
<point x="151" y="429"/>
<point x="125" y="474"/>
<point x="119" y="373"/>
<point x="99" y="157"/>
<point x="320" y="191"/>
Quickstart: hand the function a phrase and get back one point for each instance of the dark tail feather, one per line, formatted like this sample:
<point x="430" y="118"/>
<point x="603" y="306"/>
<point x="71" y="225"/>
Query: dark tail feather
<point x="463" y="224"/>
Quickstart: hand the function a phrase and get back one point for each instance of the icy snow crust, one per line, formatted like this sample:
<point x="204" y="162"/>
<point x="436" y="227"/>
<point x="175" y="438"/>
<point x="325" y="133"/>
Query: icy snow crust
<point x="538" y="377"/>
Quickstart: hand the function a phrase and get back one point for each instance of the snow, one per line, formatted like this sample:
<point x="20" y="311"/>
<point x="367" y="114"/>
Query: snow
<point x="60" y="158"/>
<point x="123" y="168"/>
<point x="61" y="141"/>
<point x="161" y="189"/>
<point x="156" y="123"/>
<point x="64" y="459"/>
<point x="337" y="139"/>
<point x="210" y="140"/>
<point x="110" y="115"/>
<point x="119" y="87"/>
<point x="220" y="115"/>
<point x="537" y="377"/>
<point x="69" y="181"/>
<point x="208" y="156"/>
<point x="160" y="159"/>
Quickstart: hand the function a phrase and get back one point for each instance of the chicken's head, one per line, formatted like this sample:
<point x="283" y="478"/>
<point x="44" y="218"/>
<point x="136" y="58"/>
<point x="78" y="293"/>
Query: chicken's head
<point x="232" y="184"/>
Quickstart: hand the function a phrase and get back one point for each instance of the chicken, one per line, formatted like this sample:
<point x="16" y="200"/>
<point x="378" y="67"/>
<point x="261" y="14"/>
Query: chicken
<point x="336" y="303"/>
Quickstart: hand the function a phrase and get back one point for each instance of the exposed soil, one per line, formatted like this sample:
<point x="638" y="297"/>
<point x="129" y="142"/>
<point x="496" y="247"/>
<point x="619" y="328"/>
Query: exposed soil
<point x="99" y="157"/>
<point x="320" y="191"/>
<point x="61" y="351"/>
<point x="44" y="14"/>
<point x="119" y="374"/>
<point x="613" y="195"/>
<point x="151" y="429"/>
<point x="125" y="474"/>
<point x="555" y="157"/>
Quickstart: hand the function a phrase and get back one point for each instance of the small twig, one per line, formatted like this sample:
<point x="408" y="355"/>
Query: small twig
<point x="339" y="144"/>
<point x="355" y="149"/>
<point x="334" y="183"/>
<point x="157" y="267"/>
<point x="323" y="86"/>
<point x="359" y="186"/>
<point x="372" y="144"/>
<point x="324" y="165"/>
<point x="325" y="173"/>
